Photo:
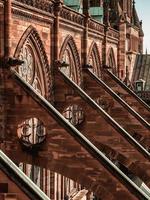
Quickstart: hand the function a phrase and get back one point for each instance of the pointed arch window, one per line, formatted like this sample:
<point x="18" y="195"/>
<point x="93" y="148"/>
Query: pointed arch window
<point x="35" y="69"/>
<point x="93" y="63"/>
<point x="30" y="69"/>
<point x="69" y="68"/>
<point x="94" y="60"/>
<point x="112" y="62"/>
<point x="69" y="55"/>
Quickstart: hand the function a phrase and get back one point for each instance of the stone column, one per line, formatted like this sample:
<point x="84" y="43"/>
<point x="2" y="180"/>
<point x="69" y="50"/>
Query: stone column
<point x="2" y="107"/>
<point x="85" y="34"/>
<point x="122" y="50"/>
<point x="7" y="28"/>
<point x="3" y="68"/>
<point x="58" y="7"/>
<point x="106" y="28"/>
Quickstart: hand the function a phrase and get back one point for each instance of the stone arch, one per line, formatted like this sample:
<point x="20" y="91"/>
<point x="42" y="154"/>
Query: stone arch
<point x="111" y="62"/>
<point x="94" y="59"/>
<point x="32" y="46"/>
<point x="70" y="55"/>
<point x="57" y="167"/>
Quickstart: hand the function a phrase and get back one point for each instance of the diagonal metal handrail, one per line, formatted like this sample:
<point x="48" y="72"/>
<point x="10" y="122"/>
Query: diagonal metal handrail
<point x="24" y="182"/>
<point x="119" y="99"/>
<point x="80" y="138"/>
<point x="117" y="80"/>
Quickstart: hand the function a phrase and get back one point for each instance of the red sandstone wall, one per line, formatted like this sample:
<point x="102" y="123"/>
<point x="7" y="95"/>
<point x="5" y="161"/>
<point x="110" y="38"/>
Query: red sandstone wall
<point x="77" y="35"/>
<point x="98" y="41"/>
<point x="1" y="29"/>
<point x="12" y="187"/>
<point x="44" y="26"/>
<point x="20" y="24"/>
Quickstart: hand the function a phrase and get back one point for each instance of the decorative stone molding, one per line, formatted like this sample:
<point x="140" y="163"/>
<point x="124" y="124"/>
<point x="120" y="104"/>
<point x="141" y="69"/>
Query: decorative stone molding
<point x="30" y="17"/>
<point x="94" y="25"/>
<point x="72" y="16"/>
<point x="44" y="5"/>
<point x="32" y="134"/>
<point x="74" y="114"/>
<point x="113" y="33"/>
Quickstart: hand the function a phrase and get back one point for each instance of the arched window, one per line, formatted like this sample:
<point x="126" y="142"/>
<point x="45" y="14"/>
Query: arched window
<point x="71" y="61"/>
<point x="29" y="70"/>
<point x="111" y="61"/>
<point x="35" y="69"/>
<point x="93" y="63"/>
<point x="69" y="66"/>
<point x="94" y="60"/>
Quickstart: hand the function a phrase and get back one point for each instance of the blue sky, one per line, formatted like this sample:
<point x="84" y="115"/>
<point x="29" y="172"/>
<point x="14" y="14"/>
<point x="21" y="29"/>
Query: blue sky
<point x="143" y="8"/>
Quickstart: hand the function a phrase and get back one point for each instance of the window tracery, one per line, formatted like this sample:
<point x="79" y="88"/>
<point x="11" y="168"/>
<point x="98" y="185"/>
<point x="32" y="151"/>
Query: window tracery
<point x="74" y="114"/>
<point x="29" y="70"/>
<point x="69" y="67"/>
<point x="69" y="55"/>
<point x="26" y="70"/>
<point x="94" y="60"/>
<point x="31" y="132"/>
<point x="93" y="63"/>
<point x="111" y="61"/>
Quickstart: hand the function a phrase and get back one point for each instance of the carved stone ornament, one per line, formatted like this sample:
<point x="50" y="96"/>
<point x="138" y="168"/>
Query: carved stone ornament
<point x="74" y="114"/>
<point x="44" y="5"/>
<point x="31" y="133"/>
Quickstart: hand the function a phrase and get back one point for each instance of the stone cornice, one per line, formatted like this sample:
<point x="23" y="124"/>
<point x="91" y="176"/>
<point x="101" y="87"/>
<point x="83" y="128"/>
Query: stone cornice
<point x="95" y="34"/>
<point x="20" y="11"/>
<point x="71" y="25"/>
<point x="31" y="10"/>
<point x="44" y="5"/>
<point x="96" y="26"/>
<point x="112" y="36"/>
<point x="112" y="40"/>
<point x="72" y="16"/>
